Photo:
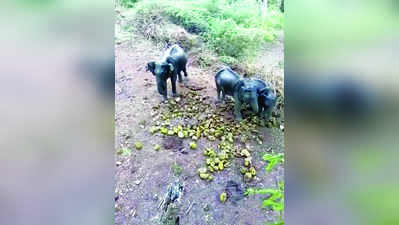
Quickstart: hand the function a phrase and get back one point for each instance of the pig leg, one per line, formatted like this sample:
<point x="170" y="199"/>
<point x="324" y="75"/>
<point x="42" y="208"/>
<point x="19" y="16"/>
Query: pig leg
<point x="237" y="107"/>
<point x="162" y="88"/>
<point x="173" y="81"/>
<point x="218" y="90"/>
<point x="180" y="76"/>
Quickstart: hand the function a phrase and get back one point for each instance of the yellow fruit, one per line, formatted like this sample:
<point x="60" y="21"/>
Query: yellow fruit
<point x="245" y="153"/>
<point x="201" y="170"/>
<point x="204" y="176"/>
<point x="221" y="167"/>
<point x="252" y="171"/>
<point x="247" y="162"/>
<point x="223" y="197"/>
<point x="193" y="145"/>
<point x="138" y="145"/>
<point x="248" y="176"/>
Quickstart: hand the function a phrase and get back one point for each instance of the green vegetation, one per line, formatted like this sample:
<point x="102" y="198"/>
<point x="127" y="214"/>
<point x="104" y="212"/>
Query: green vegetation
<point x="124" y="152"/>
<point x="177" y="169"/>
<point x="273" y="160"/>
<point x="127" y="3"/>
<point x="228" y="31"/>
<point x="276" y="223"/>
<point x="273" y="201"/>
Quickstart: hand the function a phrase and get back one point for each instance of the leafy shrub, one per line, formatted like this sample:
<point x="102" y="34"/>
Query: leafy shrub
<point x="152" y="24"/>
<point x="273" y="160"/>
<point x="227" y="38"/>
<point x="274" y="199"/>
<point x="228" y="60"/>
<point x="177" y="169"/>
<point x="128" y="3"/>
<point x="231" y="28"/>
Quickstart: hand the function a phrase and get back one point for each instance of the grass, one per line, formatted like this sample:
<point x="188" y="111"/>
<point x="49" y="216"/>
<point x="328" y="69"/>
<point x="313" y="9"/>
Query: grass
<point x="228" y="31"/>
<point x="273" y="201"/>
<point x="273" y="160"/>
<point x="127" y="3"/>
<point x="176" y="169"/>
<point x="214" y="31"/>
<point x="124" y="152"/>
<point x="275" y="197"/>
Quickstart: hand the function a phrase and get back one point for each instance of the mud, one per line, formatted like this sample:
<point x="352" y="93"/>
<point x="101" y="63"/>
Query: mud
<point x="142" y="177"/>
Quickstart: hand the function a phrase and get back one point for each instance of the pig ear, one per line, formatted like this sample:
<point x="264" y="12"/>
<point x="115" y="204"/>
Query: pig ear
<point x="171" y="67"/>
<point x="238" y="86"/>
<point x="263" y="91"/>
<point x="150" y="67"/>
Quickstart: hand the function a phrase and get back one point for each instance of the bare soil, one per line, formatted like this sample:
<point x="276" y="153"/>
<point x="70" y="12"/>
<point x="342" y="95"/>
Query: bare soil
<point x="143" y="176"/>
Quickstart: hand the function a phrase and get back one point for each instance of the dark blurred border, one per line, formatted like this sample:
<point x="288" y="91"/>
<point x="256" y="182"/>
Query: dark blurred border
<point x="341" y="112"/>
<point x="57" y="93"/>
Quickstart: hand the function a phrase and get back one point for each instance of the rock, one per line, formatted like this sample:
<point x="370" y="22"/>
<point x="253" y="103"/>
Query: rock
<point x="234" y="191"/>
<point x="171" y="204"/>
<point x="206" y="207"/>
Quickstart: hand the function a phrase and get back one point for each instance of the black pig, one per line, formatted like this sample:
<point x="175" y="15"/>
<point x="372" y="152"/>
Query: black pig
<point x="172" y="64"/>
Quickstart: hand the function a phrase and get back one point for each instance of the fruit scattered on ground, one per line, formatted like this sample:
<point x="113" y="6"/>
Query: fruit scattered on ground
<point x="138" y="145"/>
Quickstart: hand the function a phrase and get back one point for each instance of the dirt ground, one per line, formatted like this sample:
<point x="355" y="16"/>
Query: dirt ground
<point x="142" y="177"/>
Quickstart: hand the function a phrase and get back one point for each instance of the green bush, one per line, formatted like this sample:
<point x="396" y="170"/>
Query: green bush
<point x="274" y="199"/>
<point x="193" y="20"/>
<point x="230" y="39"/>
<point x="128" y="3"/>
<point x="231" y="28"/>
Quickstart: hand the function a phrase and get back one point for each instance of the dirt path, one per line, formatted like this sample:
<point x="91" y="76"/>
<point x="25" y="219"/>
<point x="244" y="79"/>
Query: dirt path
<point x="142" y="176"/>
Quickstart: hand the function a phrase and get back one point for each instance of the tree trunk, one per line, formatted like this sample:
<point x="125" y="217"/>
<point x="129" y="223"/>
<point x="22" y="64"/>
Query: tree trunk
<point x="263" y="6"/>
